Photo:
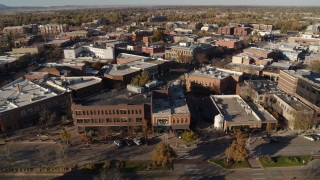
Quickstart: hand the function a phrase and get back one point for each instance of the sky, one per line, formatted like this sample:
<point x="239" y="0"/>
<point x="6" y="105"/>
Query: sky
<point x="160" y="2"/>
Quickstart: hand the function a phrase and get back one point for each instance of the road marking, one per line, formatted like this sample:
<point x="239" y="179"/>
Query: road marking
<point x="257" y="174"/>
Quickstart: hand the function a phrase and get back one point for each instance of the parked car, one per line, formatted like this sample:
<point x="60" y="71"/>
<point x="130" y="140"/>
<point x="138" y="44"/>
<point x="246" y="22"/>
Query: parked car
<point x="308" y="137"/>
<point x="137" y="141"/>
<point x="118" y="142"/>
<point x="315" y="137"/>
<point x="129" y="142"/>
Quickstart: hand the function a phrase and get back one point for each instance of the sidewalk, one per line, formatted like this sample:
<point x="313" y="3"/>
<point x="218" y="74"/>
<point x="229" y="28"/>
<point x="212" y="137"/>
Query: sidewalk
<point x="254" y="163"/>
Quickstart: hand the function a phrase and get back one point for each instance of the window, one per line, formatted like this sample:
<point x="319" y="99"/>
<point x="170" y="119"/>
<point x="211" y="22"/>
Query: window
<point x="23" y="113"/>
<point x="132" y="111"/>
<point x="94" y="120"/>
<point x="123" y="111"/>
<point x="84" y="112"/>
<point x="173" y="121"/>
<point x="101" y="120"/>
<point x="116" y="120"/>
<point x="140" y="112"/>
<point x="109" y="120"/>
<point x="124" y="120"/>
<point x="99" y="112"/>
<point x="117" y="111"/>
<point x="161" y="121"/>
<point x="91" y="112"/>
<point x="130" y="119"/>
<point x="79" y="120"/>
<point x="78" y="112"/>
<point x="136" y="111"/>
<point x="186" y="120"/>
<point x="128" y="111"/>
<point x="87" y="120"/>
<point x="138" y="120"/>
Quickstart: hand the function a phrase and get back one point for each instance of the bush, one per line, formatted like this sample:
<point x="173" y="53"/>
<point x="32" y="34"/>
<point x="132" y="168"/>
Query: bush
<point x="189" y="136"/>
<point x="293" y="160"/>
<point x="107" y="164"/>
<point x="268" y="160"/>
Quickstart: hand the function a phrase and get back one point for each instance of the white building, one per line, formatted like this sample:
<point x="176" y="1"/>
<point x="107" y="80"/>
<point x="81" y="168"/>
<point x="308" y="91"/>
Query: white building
<point x="103" y="52"/>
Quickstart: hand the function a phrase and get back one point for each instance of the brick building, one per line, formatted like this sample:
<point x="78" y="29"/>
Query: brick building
<point x="236" y="44"/>
<point x="213" y="79"/>
<point x="169" y="109"/>
<point x="115" y="111"/>
<point x="22" y="100"/>
<point x="242" y="31"/>
<point x="226" y="30"/>
<point x="235" y="113"/>
<point x="305" y="86"/>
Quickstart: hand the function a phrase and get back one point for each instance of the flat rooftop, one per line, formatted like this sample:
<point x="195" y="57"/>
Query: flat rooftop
<point x="141" y="65"/>
<point x="262" y="86"/>
<point x="120" y="70"/>
<point x="234" y="109"/>
<point x="74" y="83"/>
<point x="22" y="92"/>
<point x="131" y="57"/>
<point x="115" y="97"/>
<point x="293" y="102"/>
<point x="171" y="101"/>
<point x="63" y="64"/>
<point x="211" y="72"/>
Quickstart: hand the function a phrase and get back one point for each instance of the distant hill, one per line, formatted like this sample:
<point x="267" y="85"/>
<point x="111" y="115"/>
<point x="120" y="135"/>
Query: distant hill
<point x="4" y="8"/>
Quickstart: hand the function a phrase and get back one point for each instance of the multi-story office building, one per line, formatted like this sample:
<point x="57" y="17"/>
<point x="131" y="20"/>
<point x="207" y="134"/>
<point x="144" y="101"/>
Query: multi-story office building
<point x="234" y="113"/>
<point x="169" y="109"/>
<point x="304" y="85"/>
<point x="116" y="110"/>
<point x="53" y="28"/>
<point x="22" y="100"/>
<point x="213" y="79"/>
<point x="93" y="50"/>
<point x="259" y="91"/>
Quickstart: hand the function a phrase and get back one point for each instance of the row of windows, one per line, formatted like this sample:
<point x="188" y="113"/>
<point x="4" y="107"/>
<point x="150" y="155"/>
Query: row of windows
<point x="35" y="109"/>
<point x="109" y="120"/>
<point x="202" y="83"/>
<point x="179" y="120"/>
<point x="107" y="112"/>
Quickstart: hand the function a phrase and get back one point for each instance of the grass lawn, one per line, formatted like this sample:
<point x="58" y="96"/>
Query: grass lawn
<point x="220" y="162"/>
<point x="136" y="165"/>
<point x="284" y="161"/>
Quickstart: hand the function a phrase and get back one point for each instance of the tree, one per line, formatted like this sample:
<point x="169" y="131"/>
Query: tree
<point x="163" y="154"/>
<point x="158" y="35"/>
<point x="302" y="120"/>
<point x="237" y="151"/>
<point x="189" y="136"/>
<point x="108" y="174"/>
<point x="201" y="58"/>
<point x="46" y="117"/>
<point x="97" y="65"/>
<point x="141" y="79"/>
<point x="65" y="136"/>
<point x="8" y="156"/>
<point x="62" y="155"/>
<point x="44" y="157"/>
<point x="85" y="138"/>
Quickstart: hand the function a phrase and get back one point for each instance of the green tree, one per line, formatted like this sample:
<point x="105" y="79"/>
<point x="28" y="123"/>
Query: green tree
<point x="189" y="136"/>
<point x="158" y="35"/>
<point x="65" y="136"/>
<point x="163" y="154"/>
<point x="237" y="150"/>
<point x="141" y="79"/>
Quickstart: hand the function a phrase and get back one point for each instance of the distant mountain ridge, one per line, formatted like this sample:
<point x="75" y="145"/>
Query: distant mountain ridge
<point x="4" y="8"/>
